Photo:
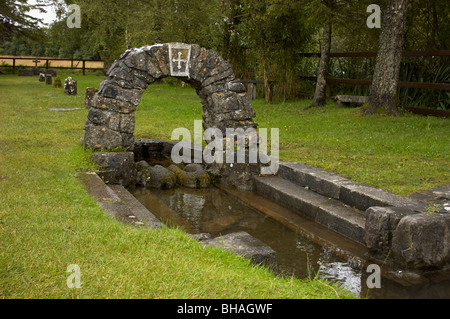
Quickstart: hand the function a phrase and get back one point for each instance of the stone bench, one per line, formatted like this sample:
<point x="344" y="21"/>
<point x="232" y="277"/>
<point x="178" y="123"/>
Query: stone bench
<point x="350" y="100"/>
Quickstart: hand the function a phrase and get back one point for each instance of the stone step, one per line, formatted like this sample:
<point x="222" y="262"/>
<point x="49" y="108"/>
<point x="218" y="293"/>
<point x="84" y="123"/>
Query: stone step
<point x="323" y="210"/>
<point x="334" y="242"/>
<point x="332" y="185"/>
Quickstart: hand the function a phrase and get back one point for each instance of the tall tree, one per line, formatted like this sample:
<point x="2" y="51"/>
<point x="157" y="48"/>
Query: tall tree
<point x="387" y="68"/>
<point x="330" y="9"/>
<point x="321" y="84"/>
<point x="275" y="31"/>
<point x="15" y="19"/>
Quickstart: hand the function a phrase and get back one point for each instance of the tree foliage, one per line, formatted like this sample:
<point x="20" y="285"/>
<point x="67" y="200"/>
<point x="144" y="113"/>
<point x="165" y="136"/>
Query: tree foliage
<point x="262" y="39"/>
<point x="15" y="19"/>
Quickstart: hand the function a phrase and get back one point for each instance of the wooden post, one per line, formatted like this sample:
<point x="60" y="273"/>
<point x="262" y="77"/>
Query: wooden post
<point x="84" y="67"/>
<point x="251" y="91"/>
<point x="14" y="66"/>
<point x="46" y="64"/>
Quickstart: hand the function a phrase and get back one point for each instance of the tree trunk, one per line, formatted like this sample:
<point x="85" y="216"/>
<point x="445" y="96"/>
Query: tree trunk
<point x="106" y="64"/>
<point x="387" y="68"/>
<point x="268" y="94"/>
<point x="320" y="93"/>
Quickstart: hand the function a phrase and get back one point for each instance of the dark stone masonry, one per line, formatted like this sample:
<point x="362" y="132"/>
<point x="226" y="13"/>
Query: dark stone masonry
<point x="110" y="122"/>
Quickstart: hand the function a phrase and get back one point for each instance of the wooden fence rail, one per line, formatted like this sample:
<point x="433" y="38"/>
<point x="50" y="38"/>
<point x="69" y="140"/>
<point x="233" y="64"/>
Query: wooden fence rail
<point x="74" y="63"/>
<point x="374" y="54"/>
<point x="402" y="84"/>
<point x="412" y="85"/>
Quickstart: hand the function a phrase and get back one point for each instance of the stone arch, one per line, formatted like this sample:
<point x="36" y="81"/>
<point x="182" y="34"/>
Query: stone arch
<point x="110" y="122"/>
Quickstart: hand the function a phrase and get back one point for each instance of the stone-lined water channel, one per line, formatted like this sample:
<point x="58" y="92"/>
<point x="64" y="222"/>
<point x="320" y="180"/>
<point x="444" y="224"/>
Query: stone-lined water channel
<point x="213" y="211"/>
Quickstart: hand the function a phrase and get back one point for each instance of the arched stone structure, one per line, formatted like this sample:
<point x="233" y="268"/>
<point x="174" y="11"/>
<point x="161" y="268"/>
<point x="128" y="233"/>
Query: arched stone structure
<point x="111" y="120"/>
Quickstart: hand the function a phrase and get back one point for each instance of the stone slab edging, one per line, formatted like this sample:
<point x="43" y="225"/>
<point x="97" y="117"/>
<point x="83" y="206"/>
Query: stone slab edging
<point x="122" y="205"/>
<point x="323" y="210"/>
<point x="332" y="185"/>
<point x="118" y="202"/>
<point x="402" y="232"/>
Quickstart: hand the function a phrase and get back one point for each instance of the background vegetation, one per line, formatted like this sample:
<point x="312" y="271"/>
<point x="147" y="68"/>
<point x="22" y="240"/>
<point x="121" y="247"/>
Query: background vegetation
<point x="262" y="39"/>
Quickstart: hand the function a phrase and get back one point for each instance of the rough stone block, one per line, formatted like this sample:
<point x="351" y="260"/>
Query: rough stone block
<point x="116" y="167"/>
<point x="379" y="226"/>
<point x="235" y="86"/>
<point x="241" y="243"/>
<point x="98" y="137"/>
<point x="407" y="239"/>
<point x="192" y="176"/>
<point x="104" y="103"/>
<point x="161" y="177"/>
<point x="89" y="97"/>
<point x="422" y="241"/>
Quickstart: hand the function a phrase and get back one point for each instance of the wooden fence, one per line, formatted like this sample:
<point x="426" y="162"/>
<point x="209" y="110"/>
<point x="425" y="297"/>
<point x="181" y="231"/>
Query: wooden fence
<point x="47" y="63"/>
<point x="413" y="85"/>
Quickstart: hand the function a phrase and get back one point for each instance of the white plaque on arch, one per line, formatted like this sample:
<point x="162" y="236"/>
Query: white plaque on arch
<point x="179" y="56"/>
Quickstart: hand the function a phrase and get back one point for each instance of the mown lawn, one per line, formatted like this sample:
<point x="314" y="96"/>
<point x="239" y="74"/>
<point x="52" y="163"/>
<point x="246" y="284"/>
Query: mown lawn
<point x="400" y="154"/>
<point x="48" y="221"/>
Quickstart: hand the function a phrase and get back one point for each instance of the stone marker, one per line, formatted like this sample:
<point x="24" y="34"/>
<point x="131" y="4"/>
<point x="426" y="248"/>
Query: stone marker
<point x="41" y="77"/>
<point x="57" y="83"/>
<point x="70" y="86"/>
<point x="48" y="79"/>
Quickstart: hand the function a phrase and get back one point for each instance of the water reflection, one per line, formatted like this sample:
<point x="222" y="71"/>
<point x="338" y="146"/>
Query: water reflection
<point x="214" y="211"/>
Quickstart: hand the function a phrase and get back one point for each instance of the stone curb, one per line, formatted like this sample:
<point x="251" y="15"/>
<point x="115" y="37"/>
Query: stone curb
<point x="118" y="202"/>
<point x="332" y="185"/>
<point x="326" y="211"/>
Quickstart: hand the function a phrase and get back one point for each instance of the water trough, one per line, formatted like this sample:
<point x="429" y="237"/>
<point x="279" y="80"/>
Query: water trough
<point x="311" y="228"/>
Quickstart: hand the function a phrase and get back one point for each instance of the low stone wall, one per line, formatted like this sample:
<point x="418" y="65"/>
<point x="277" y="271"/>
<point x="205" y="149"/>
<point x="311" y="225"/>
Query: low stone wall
<point x="35" y="72"/>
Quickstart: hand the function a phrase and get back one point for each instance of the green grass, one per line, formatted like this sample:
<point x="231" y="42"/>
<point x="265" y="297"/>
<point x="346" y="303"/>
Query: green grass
<point x="48" y="221"/>
<point x="400" y="154"/>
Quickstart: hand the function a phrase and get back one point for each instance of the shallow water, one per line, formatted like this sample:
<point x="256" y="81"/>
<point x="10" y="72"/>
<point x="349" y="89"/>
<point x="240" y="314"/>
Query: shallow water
<point x="214" y="211"/>
<point x="218" y="213"/>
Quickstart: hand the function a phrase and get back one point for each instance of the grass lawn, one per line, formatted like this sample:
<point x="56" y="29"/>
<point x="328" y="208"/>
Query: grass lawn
<point x="48" y="221"/>
<point x="400" y="154"/>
